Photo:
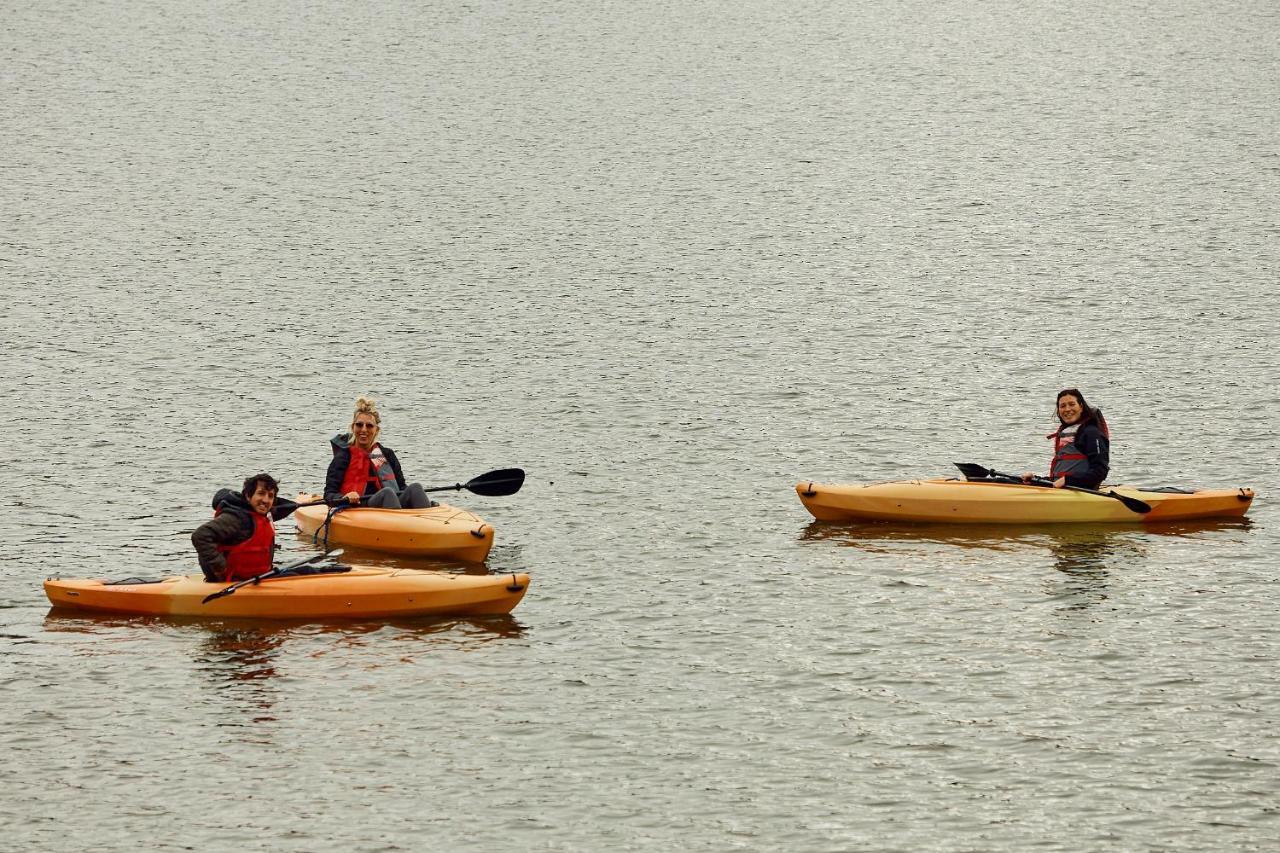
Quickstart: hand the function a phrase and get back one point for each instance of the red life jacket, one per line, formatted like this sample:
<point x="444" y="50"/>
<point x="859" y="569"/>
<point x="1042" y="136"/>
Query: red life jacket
<point x="1067" y="458"/>
<point x="252" y="556"/>
<point x="361" y="474"/>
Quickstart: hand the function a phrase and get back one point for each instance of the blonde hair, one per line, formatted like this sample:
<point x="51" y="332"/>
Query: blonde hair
<point x="366" y="406"/>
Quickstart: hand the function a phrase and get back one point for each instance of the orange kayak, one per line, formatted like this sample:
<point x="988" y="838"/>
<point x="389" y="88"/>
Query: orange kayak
<point x="361" y="593"/>
<point x="441" y="532"/>
<point x="970" y="502"/>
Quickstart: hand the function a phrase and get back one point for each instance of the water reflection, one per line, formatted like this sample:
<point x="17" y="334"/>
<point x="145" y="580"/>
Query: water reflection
<point x="876" y="536"/>
<point x="479" y="628"/>
<point x="243" y="659"/>
<point x="1075" y="540"/>
<point x="1083" y="556"/>
<point x="242" y="662"/>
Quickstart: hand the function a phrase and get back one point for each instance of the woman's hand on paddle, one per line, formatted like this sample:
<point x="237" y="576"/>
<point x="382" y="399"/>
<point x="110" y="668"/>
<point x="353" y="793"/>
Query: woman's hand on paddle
<point x="1027" y="476"/>
<point x="352" y="497"/>
<point x="1060" y="482"/>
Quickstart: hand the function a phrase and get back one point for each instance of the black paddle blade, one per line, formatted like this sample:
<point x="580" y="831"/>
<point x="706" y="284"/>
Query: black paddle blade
<point x="496" y="484"/>
<point x="974" y="472"/>
<point x="216" y="595"/>
<point x="1133" y="504"/>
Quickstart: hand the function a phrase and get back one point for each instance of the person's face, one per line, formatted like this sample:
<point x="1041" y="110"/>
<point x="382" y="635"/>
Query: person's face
<point x="365" y="429"/>
<point x="262" y="499"/>
<point x="1069" y="409"/>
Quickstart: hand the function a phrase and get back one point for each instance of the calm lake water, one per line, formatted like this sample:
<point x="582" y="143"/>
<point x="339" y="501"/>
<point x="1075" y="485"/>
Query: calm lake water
<point x="670" y="258"/>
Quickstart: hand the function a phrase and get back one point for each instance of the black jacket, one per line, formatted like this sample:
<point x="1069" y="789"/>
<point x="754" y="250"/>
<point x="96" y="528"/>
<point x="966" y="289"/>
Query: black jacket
<point x="1096" y="448"/>
<point x="342" y="458"/>
<point x="231" y="526"/>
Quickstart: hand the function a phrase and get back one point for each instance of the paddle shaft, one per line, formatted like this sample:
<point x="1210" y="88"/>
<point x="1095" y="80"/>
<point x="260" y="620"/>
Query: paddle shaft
<point x="499" y="483"/>
<point x="346" y="501"/>
<point x="1133" y="504"/>
<point x="278" y="570"/>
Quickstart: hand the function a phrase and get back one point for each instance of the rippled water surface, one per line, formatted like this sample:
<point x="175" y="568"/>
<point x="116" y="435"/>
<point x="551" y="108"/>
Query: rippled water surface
<point x="670" y="259"/>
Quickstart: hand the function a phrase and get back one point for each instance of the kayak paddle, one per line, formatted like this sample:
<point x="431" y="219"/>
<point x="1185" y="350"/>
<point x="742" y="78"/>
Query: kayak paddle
<point x="495" y="484"/>
<point x="977" y="472"/>
<point x="278" y="570"/>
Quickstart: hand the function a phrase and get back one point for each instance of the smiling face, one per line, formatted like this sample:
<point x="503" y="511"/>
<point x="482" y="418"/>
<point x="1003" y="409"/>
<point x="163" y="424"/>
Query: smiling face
<point x="365" y="430"/>
<point x="1069" y="408"/>
<point x="263" y="498"/>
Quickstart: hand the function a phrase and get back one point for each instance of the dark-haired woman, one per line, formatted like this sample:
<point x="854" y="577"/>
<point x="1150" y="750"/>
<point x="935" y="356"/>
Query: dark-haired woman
<point x="1081" y="444"/>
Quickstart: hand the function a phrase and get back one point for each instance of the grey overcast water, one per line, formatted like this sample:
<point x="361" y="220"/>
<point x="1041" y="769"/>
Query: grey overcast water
<point x="670" y="258"/>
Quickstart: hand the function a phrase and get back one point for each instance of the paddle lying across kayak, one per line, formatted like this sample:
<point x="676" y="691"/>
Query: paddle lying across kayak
<point x="441" y="532"/>
<point x="352" y="593"/>
<point x="1001" y="499"/>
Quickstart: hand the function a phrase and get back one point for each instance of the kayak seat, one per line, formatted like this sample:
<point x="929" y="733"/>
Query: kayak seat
<point x="315" y="570"/>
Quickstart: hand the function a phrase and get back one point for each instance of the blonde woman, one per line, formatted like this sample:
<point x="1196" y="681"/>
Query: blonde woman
<point x="364" y="471"/>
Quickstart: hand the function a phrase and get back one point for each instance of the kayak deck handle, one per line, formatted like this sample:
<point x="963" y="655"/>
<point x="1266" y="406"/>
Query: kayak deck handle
<point x="515" y="585"/>
<point x="479" y="531"/>
<point x="1245" y="494"/>
<point x="809" y="490"/>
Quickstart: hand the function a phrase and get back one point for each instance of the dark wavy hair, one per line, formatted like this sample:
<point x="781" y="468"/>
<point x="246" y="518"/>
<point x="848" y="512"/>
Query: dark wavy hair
<point x="1088" y="414"/>
<point x="251" y="484"/>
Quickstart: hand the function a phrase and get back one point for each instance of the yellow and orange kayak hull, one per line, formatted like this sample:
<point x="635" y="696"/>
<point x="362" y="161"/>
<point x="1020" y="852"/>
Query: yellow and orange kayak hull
<point x="441" y="532"/>
<point x="362" y="593"/>
<point x="969" y="502"/>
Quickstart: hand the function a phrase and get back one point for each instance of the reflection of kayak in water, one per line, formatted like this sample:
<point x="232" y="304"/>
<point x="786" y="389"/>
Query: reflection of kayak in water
<point x="969" y="502"/>
<point x="1006" y="537"/>
<point x="998" y="536"/>
<point x="361" y="593"/>
<point x="441" y="532"/>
